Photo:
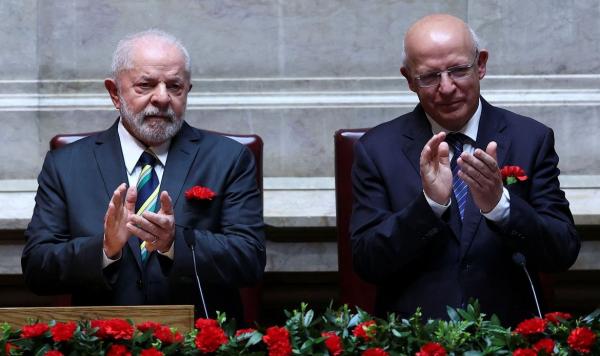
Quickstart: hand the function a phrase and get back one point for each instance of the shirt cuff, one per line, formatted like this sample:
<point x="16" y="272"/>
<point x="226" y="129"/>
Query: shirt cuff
<point x="107" y="261"/>
<point x="438" y="209"/>
<point x="501" y="212"/>
<point x="170" y="253"/>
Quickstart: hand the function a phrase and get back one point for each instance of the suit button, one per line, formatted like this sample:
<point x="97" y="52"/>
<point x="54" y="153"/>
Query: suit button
<point x="139" y="284"/>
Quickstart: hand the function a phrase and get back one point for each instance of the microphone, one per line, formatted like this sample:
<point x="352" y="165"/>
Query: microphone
<point x="519" y="259"/>
<point x="188" y="236"/>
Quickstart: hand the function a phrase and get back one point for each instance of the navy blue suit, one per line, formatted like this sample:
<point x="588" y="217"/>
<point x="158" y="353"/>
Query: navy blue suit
<point x="419" y="260"/>
<point x="63" y="253"/>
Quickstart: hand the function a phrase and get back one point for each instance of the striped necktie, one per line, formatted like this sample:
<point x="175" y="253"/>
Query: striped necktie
<point x="147" y="191"/>
<point x="456" y="141"/>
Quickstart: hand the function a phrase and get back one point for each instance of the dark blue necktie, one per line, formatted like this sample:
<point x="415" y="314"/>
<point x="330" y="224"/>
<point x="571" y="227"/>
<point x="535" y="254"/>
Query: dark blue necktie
<point x="456" y="141"/>
<point x="147" y="191"/>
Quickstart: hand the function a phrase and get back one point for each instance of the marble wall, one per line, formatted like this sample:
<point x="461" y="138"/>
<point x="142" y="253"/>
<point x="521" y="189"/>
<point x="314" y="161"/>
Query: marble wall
<point x="292" y="71"/>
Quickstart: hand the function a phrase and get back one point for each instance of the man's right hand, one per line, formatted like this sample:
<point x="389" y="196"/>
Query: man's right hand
<point x="436" y="174"/>
<point x="121" y="206"/>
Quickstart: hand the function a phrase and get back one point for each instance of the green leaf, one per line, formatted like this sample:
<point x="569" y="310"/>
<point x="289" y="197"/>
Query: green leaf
<point x="308" y="318"/>
<point x="452" y="313"/>
<point x="254" y="339"/>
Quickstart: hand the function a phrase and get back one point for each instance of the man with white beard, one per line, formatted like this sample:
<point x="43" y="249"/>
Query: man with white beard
<point x="111" y="209"/>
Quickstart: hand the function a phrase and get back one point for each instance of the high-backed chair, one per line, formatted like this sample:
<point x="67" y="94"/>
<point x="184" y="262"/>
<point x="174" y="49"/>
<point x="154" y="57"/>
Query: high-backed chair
<point x="250" y="295"/>
<point x="353" y="290"/>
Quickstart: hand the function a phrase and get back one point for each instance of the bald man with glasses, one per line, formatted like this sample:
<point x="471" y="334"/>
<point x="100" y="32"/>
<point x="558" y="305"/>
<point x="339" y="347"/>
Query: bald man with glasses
<point x="434" y="223"/>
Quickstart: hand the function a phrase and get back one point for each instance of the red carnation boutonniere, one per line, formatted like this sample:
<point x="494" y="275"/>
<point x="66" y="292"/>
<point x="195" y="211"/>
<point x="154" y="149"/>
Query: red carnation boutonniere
<point x="512" y="174"/>
<point x="198" y="192"/>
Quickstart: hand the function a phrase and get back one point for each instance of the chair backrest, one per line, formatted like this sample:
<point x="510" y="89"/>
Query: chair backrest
<point x="250" y="295"/>
<point x="353" y="290"/>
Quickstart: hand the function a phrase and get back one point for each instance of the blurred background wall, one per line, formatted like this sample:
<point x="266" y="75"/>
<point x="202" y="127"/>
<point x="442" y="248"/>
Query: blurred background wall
<point x="291" y="71"/>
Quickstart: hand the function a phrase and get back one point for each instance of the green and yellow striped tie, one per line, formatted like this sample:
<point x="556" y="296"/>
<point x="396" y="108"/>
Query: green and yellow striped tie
<point x="147" y="191"/>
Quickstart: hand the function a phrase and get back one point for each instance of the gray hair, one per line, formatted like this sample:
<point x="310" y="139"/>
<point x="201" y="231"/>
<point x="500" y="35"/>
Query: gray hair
<point x="474" y="38"/>
<point x="122" y="56"/>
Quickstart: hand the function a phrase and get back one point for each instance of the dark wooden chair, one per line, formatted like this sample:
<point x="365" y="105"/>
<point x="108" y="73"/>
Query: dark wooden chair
<point x="353" y="290"/>
<point x="250" y="295"/>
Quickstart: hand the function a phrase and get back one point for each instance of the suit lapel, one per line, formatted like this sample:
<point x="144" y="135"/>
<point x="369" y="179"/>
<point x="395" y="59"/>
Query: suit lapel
<point x="182" y="153"/>
<point x="111" y="167"/>
<point x="491" y="128"/>
<point x="417" y="133"/>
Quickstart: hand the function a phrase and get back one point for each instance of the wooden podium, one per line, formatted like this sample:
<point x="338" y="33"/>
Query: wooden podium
<point x="179" y="316"/>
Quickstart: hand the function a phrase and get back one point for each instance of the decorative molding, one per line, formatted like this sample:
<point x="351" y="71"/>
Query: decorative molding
<point x="296" y="93"/>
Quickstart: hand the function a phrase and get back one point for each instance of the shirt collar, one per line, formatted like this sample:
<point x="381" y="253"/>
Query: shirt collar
<point x="133" y="148"/>
<point x="470" y="129"/>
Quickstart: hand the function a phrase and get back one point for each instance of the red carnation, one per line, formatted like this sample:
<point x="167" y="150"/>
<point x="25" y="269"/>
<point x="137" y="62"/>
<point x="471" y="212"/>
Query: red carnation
<point x="148" y="325"/>
<point x="581" y="339"/>
<point x="531" y="326"/>
<point x="166" y="336"/>
<point x="118" y="350"/>
<point x="431" y="349"/>
<point x="199" y="193"/>
<point x="524" y="352"/>
<point x="210" y="335"/>
<point x="63" y="331"/>
<point x="556" y="317"/>
<point x="333" y="343"/>
<point x="244" y="332"/>
<point x="547" y="345"/>
<point x="34" y="330"/>
<point x="278" y="341"/>
<point x="53" y="353"/>
<point x="375" y="351"/>
<point x="365" y="330"/>
<point x="117" y="329"/>
<point x="151" y="352"/>
<point x="510" y="174"/>
<point x="205" y="323"/>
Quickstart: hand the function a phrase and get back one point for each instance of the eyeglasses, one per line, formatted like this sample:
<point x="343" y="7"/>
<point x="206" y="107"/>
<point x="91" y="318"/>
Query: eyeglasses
<point x="455" y="73"/>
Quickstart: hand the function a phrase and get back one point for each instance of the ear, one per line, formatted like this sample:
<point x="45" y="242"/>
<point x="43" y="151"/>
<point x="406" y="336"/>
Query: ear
<point x="409" y="79"/>
<point x="113" y="91"/>
<point x="481" y="63"/>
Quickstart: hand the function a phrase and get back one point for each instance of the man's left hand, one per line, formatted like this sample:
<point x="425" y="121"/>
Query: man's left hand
<point x="481" y="173"/>
<point x="157" y="229"/>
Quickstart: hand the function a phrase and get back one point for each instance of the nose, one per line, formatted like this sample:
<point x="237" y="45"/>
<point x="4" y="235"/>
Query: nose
<point x="160" y="96"/>
<point x="446" y="83"/>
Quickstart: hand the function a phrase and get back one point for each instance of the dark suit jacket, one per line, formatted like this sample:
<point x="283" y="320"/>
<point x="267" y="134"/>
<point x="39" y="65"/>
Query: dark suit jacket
<point x="417" y="259"/>
<point x="63" y="253"/>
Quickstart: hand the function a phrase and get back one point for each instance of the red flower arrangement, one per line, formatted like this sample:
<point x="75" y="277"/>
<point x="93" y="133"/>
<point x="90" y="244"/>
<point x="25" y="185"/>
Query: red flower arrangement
<point x="118" y="350"/>
<point x="546" y="345"/>
<point x="210" y="335"/>
<point x="525" y="352"/>
<point x="53" y="353"/>
<point x="531" y="326"/>
<point x="365" y="330"/>
<point x="151" y="352"/>
<point x="431" y="349"/>
<point x="581" y="339"/>
<point x="117" y="329"/>
<point x="278" y="341"/>
<point x="35" y="330"/>
<point x="375" y="351"/>
<point x="304" y="334"/>
<point x="556" y="317"/>
<point x="63" y="331"/>
<point x="512" y="174"/>
<point x="198" y="192"/>
<point x="333" y="343"/>
<point x="244" y="332"/>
